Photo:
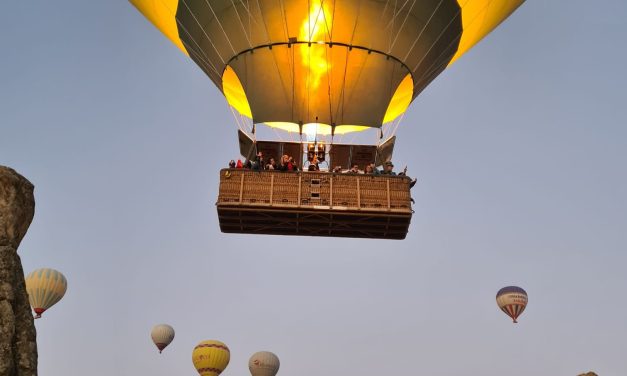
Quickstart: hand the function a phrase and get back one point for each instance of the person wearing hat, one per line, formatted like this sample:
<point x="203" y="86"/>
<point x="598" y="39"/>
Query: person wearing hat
<point x="388" y="169"/>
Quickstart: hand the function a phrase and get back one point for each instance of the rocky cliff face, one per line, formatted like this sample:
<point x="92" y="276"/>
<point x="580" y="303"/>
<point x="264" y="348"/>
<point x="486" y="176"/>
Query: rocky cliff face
<point x="18" y="347"/>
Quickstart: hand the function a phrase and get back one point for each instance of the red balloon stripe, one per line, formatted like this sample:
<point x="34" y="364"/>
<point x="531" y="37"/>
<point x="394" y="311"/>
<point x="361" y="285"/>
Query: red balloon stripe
<point x="212" y="345"/>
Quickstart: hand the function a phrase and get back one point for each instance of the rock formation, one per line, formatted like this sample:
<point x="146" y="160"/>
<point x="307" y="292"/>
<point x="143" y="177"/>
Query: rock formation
<point x="589" y="374"/>
<point x="18" y="347"/>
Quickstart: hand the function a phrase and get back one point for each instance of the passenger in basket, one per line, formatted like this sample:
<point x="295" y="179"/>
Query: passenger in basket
<point x="258" y="163"/>
<point x="313" y="166"/>
<point x="388" y="169"/>
<point x="283" y="164"/>
<point x="337" y="170"/>
<point x="231" y="164"/>
<point x="369" y="169"/>
<point x="353" y="170"/>
<point x="239" y="164"/>
<point x="291" y="165"/>
<point x="271" y="165"/>
<point x="247" y="164"/>
<point x="375" y="170"/>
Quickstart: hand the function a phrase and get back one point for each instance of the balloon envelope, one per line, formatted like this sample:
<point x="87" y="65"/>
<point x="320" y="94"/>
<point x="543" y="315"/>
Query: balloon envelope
<point x="45" y="288"/>
<point x="263" y="363"/>
<point x="162" y="335"/>
<point x="211" y="357"/>
<point x="350" y="63"/>
<point x="512" y="300"/>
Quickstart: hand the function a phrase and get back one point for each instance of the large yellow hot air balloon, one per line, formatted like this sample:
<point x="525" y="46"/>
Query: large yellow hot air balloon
<point x="211" y="357"/>
<point x="45" y="288"/>
<point x="320" y="69"/>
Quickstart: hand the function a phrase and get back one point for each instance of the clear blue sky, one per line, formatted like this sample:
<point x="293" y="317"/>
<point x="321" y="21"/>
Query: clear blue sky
<point x="520" y="153"/>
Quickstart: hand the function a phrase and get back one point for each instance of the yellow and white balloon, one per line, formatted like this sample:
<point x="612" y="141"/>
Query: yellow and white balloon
<point x="162" y="335"/>
<point x="45" y="288"/>
<point x="264" y="363"/>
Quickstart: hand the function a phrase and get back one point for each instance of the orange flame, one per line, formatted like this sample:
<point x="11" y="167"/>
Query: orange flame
<point x="313" y="30"/>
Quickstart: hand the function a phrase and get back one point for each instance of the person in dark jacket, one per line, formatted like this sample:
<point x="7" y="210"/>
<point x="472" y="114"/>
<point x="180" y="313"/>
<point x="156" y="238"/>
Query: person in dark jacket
<point x="258" y="162"/>
<point x="388" y="169"/>
<point x="271" y="165"/>
<point x="283" y="164"/>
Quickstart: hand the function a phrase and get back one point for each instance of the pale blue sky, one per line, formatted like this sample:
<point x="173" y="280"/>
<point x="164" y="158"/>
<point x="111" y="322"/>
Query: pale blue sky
<point x="520" y="152"/>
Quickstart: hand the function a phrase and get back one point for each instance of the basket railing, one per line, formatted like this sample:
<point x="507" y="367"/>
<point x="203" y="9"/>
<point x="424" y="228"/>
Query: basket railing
<point x="314" y="190"/>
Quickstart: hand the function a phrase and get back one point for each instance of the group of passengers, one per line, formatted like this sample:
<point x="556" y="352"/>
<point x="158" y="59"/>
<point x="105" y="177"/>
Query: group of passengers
<point x="371" y="169"/>
<point x="258" y="163"/>
<point x="287" y="163"/>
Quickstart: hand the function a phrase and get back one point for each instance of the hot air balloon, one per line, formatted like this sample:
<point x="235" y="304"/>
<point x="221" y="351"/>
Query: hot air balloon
<point x="211" y="357"/>
<point x="162" y="335"/>
<point x="45" y="288"/>
<point x="314" y="71"/>
<point x="263" y="363"/>
<point x="512" y="300"/>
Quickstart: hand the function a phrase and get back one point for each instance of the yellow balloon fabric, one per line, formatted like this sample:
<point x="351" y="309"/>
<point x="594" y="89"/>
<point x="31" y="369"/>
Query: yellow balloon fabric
<point x="335" y="63"/>
<point x="211" y="357"/>
<point x="45" y="288"/>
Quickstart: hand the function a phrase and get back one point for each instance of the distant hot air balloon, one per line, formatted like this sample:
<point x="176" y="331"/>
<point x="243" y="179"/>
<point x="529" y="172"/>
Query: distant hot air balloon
<point x="211" y="357"/>
<point x="512" y="300"/>
<point x="162" y="335"/>
<point x="45" y="288"/>
<point x="263" y="363"/>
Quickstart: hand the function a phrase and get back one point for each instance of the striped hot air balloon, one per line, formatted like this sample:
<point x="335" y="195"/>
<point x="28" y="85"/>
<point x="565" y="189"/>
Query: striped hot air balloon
<point x="264" y="363"/>
<point x="162" y="335"/>
<point x="512" y="300"/>
<point x="45" y="288"/>
<point x="211" y="357"/>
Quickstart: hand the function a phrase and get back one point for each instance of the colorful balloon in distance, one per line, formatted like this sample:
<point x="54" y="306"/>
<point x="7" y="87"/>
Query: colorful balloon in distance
<point x="211" y="357"/>
<point x="45" y="288"/>
<point x="512" y="300"/>
<point x="162" y="335"/>
<point x="264" y="363"/>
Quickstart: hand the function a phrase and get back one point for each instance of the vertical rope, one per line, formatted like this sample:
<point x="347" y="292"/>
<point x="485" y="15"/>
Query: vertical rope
<point x="242" y="24"/>
<point x="228" y="40"/>
<point x="423" y="30"/>
<point x="204" y="32"/>
<point x="402" y="25"/>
